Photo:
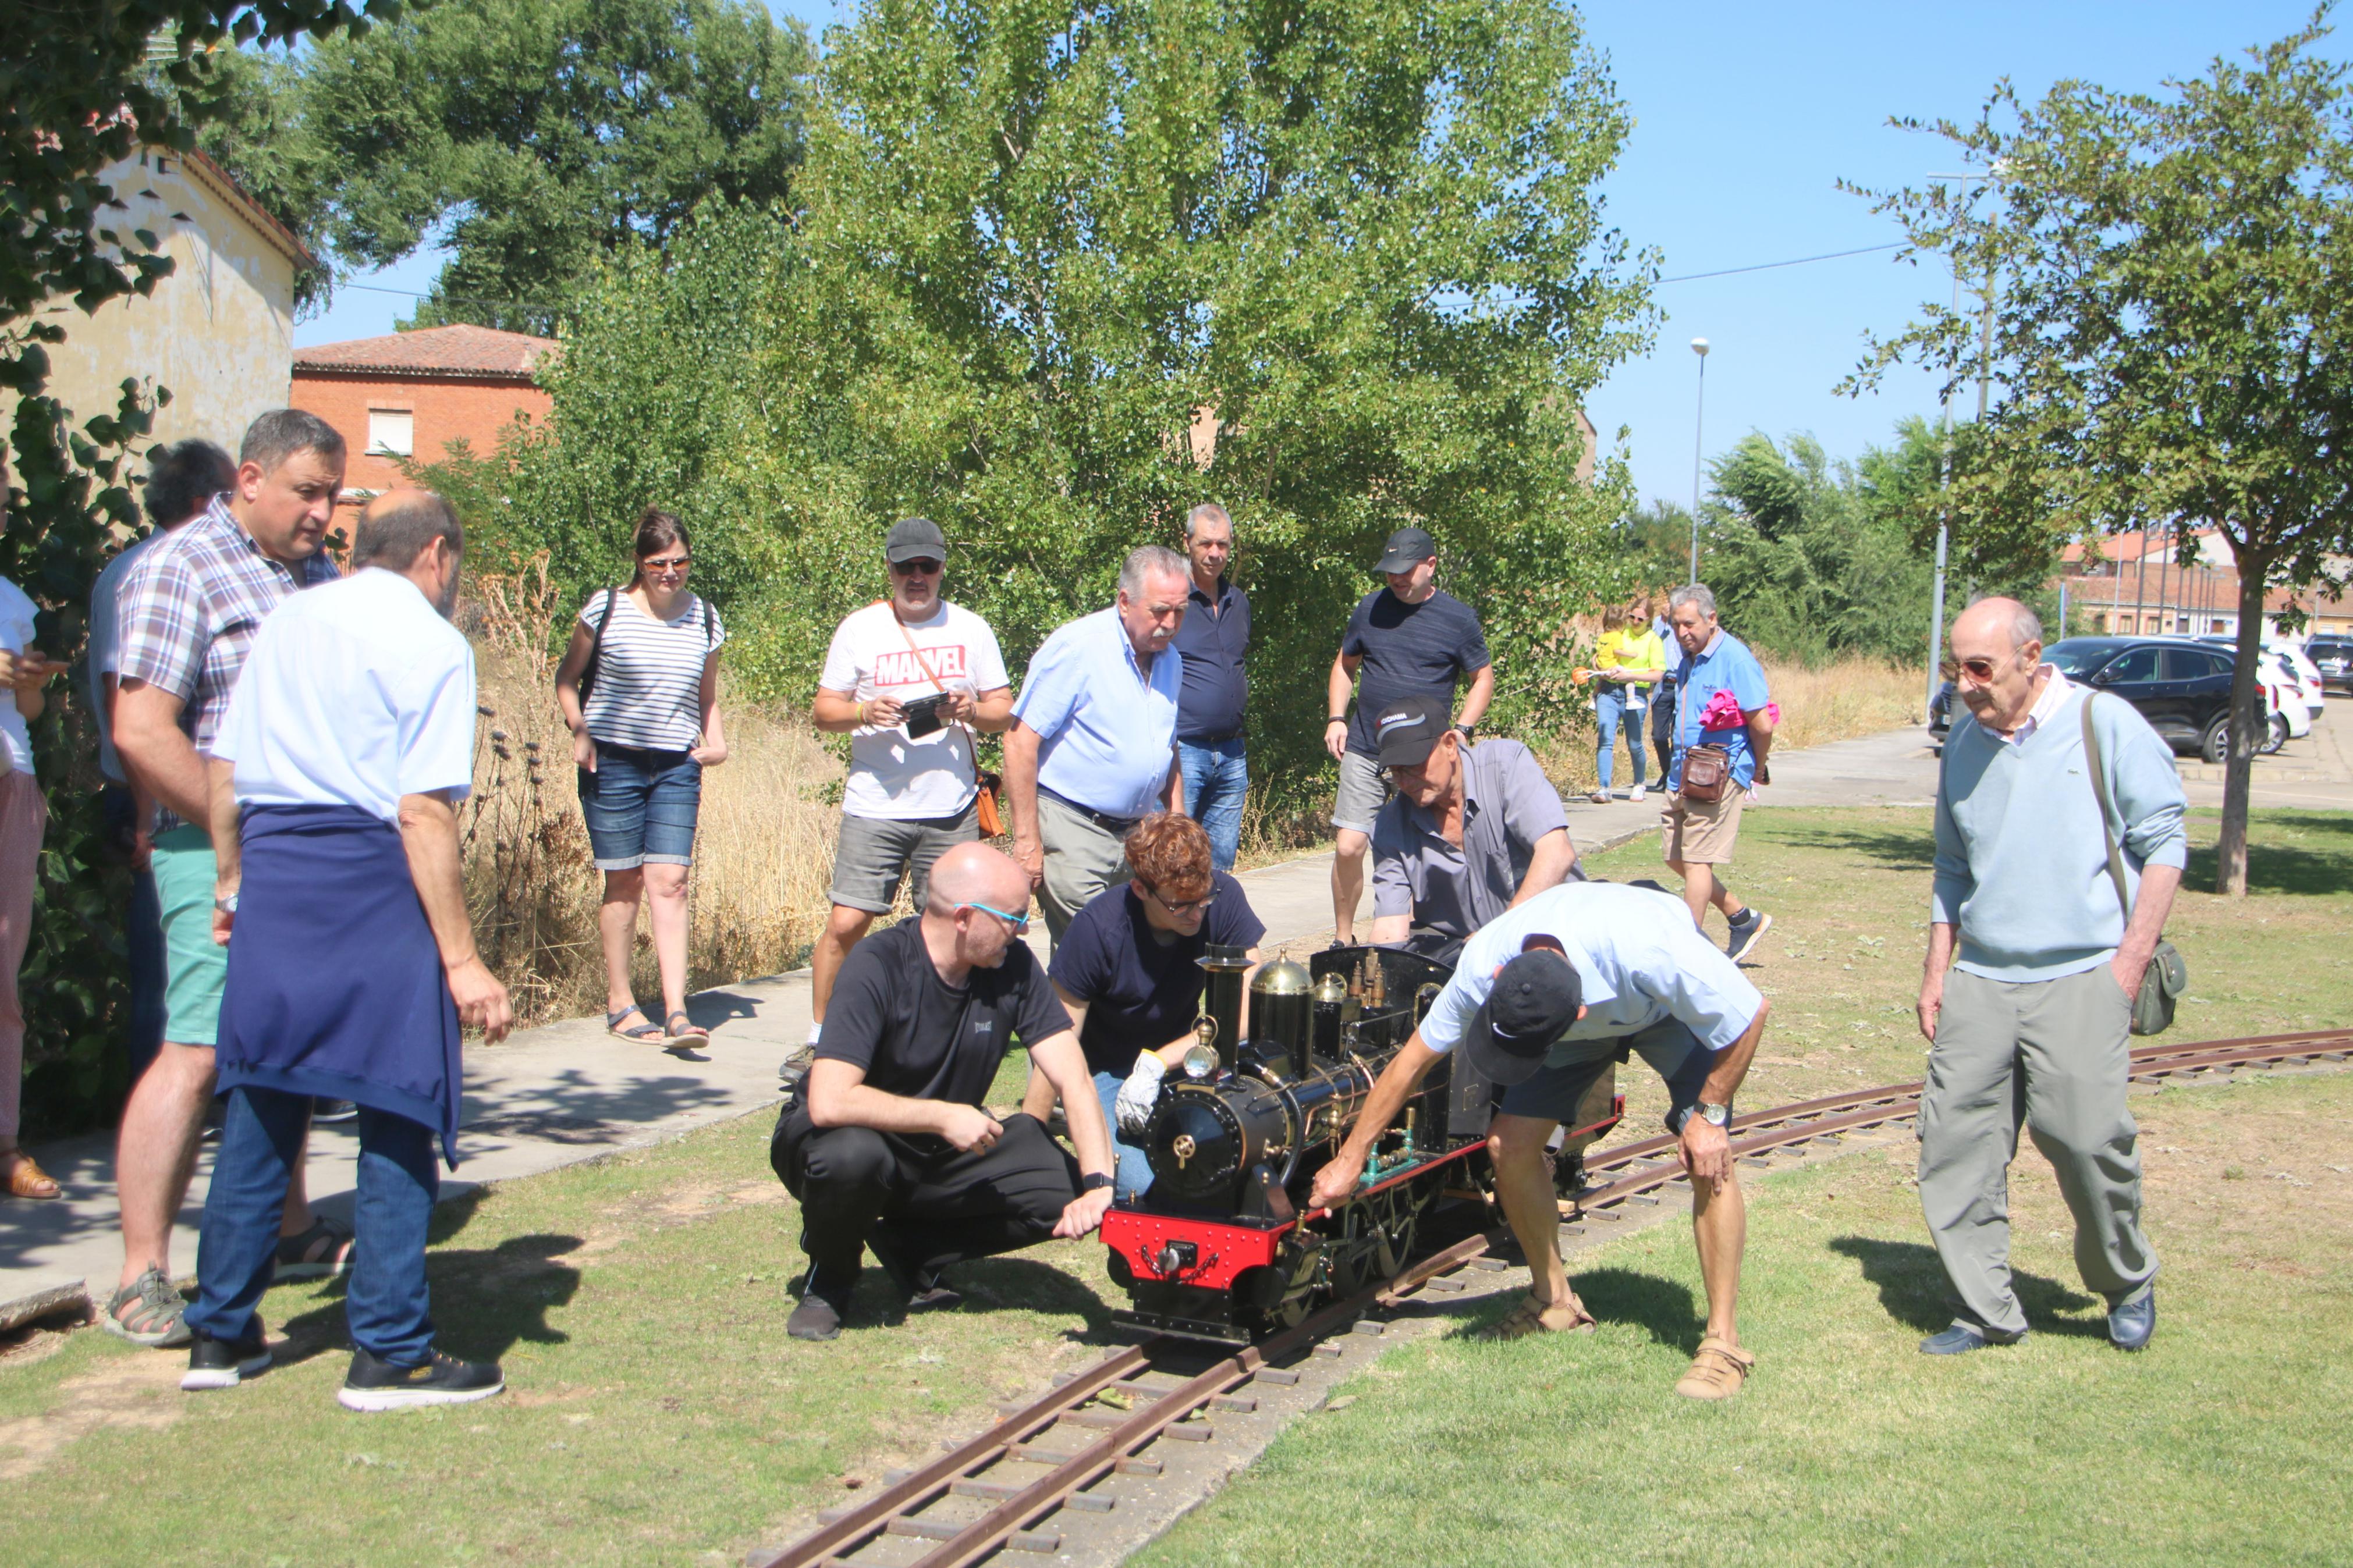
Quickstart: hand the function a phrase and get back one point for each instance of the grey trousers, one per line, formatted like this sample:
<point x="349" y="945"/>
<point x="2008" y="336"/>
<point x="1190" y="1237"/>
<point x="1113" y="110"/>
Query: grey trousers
<point x="1082" y="859"/>
<point x="2053" y="1054"/>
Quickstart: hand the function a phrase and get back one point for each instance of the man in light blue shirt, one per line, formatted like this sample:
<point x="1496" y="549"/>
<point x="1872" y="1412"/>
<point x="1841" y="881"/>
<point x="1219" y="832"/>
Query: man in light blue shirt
<point x="2029" y="914"/>
<point x="1093" y="750"/>
<point x="1547" y="996"/>
<point x="1720" y="701"/>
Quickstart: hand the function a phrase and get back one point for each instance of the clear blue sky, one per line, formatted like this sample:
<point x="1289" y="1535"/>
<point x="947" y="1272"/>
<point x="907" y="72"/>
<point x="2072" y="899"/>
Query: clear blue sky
<point x="1746" y="118"/>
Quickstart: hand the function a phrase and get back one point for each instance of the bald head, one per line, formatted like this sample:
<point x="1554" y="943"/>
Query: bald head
<point x="2004" y="621"/>
<point x="398" y="525"/>
<point x="977" y="874"/>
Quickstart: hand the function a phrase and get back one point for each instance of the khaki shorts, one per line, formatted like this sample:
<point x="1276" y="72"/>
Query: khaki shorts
<point x="1701" y="832"/>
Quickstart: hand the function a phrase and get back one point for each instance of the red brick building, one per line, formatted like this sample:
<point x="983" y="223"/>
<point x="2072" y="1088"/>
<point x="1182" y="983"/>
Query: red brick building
<point x="412" y="393"/>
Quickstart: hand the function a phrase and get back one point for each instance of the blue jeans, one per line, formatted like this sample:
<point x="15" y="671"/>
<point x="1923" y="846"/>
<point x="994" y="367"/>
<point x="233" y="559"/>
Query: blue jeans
<point x="1609" y="708"/>
<point x="1217" y="778"/>
<point x="640" y="806"/>
<point x="142" y="936"/>
<point x="237" y="1252"/>
<point x="1133" y="1177"/>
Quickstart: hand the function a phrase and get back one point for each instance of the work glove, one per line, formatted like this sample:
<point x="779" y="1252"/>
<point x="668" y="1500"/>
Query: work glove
<point x="1139" y="1094"/>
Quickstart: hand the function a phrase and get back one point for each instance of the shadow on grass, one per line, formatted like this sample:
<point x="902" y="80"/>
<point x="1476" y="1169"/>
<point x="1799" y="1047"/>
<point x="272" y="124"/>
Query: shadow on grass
<point x="484" y="1300"/>
<point x="1669" y="1311"/>
<point x="1887" y="848"/>
<point x="992" y="1284"/>
<point x="2314" y="870"/>
<point x="1910" y="1282"/>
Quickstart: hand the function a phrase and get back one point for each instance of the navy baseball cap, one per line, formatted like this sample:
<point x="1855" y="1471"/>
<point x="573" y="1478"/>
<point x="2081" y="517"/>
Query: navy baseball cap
<point x="1405" y="731"/>
<point x="1407" y="547"/>
<point x="1534" y="999"/>
<point x="914" y="539"/>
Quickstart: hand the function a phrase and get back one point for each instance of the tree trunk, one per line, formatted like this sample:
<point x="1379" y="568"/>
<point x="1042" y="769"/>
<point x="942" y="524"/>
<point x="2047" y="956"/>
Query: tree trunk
<point x="2248" y="726"/>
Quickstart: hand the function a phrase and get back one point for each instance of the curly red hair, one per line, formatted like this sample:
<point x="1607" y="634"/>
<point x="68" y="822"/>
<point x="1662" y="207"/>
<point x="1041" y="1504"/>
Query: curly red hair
<point x="1170" y="853"/>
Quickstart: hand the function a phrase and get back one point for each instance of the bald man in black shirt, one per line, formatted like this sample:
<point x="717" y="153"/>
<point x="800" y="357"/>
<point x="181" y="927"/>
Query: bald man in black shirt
<point x="886" y="1143"/>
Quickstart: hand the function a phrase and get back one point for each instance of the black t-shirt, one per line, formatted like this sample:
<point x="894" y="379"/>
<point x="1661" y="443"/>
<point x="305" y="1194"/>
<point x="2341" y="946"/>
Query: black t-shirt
<point x="918" y="1037"/>
<point x="1142" y="993"/>
<point x="1409" y="650"/>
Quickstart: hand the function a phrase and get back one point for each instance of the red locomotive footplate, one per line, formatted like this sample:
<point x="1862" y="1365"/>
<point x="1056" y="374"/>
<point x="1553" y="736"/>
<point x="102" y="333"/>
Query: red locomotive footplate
<point x="1220" y="1252"/>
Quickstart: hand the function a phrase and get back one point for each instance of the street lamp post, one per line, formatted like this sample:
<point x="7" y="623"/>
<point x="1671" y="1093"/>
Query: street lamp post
<point x="1944" y="512"/>
<point x="1699" y="423"/>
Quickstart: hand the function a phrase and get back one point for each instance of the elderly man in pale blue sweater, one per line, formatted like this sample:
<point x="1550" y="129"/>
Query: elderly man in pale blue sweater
<point x="2033" y="1019"/>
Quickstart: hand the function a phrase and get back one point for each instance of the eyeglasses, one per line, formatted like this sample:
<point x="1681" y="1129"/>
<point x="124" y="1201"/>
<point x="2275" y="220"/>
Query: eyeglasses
<point x="1978" y="670"/>
<point x="1018" y="922"/>
<point x="1187" y="908"/>
<point x="915" y="568"/>
<point x="669" y="565"/>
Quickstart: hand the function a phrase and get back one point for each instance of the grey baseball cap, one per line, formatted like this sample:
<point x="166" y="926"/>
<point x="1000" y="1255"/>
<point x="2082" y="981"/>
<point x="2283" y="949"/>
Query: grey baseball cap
<point x="1408" y="547"/>
<point x="915" y="539"/>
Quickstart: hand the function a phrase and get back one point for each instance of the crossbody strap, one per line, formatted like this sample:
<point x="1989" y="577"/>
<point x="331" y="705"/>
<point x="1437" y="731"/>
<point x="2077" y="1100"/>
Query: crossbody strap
<point x="2100" y="792"/>
<point x="913" y="646"/>
<point x="596" y="651"/>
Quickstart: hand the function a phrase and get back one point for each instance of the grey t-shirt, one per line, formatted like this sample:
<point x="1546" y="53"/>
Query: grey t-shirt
<point x="1507" y="806"/>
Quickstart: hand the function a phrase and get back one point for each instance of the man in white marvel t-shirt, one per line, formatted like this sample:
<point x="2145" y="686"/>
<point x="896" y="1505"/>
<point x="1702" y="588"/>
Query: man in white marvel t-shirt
<point x="911" y="680"/>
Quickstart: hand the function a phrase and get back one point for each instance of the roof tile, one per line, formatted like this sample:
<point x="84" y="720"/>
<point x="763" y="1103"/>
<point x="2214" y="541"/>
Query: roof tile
<point x="462" y="351"/>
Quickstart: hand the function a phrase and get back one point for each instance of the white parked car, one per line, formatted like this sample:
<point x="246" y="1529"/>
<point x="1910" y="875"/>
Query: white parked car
<point x="2302" y="677"/>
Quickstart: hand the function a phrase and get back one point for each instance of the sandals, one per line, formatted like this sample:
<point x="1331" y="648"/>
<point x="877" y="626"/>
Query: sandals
<point x="1717" y="1372"/>
<point x="25" y="1179"/>
<point x="643" y="1034"/>
<point x="682" y="1030"/>
<point x="1527" y="1318"/>
<point x="321" y="1252"/>
<point x="154" y="1318"/>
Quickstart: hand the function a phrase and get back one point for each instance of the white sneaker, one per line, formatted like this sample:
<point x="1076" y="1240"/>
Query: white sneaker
<point x="1638" y="792"/>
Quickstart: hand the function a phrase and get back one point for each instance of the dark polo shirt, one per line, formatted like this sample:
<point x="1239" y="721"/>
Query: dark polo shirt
<point x="1507" y="806"/>
<point x="1216" y="647"/>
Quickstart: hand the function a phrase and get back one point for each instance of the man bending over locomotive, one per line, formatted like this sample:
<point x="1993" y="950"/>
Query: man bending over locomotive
<point x="1546" y="997"/>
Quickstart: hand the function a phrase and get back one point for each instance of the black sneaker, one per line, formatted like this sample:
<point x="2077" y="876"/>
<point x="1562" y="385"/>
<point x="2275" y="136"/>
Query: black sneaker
<point x="223" y="1363"/>
<point x="334" y="1110"/>
<point x="1744" y="937"/>
<point x="822" y="1309"/>
<point x="377" y="1384"/>
<point x="924" y="1289"/>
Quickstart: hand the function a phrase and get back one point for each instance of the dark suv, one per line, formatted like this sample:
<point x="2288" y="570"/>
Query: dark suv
<point x="2182" y="688"/>
<point x="2333" y="656"/>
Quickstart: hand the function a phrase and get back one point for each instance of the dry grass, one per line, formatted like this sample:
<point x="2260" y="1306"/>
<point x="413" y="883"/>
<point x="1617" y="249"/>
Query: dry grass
<point x="1834" y="702"/>
<point x="764" y="844"/>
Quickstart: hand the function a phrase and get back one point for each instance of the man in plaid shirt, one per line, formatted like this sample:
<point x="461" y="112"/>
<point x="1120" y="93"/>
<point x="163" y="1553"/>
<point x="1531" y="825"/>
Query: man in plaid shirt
<point x="189" y="612"/>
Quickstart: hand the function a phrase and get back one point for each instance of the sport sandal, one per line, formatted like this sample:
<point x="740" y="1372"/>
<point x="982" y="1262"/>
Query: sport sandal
<point x="646" y="1033"/>
<point x="683" y="1031"/>
<point x="1717" y="1372"/>
<point x="1528" y="1318"/>
<point x="321" y="1252"/>
<point x="153" y="1318"/>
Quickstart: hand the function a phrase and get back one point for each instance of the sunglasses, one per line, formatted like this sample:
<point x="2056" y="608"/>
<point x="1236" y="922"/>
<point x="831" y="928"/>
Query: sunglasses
<point x="1979" y="670"/>
<point x="915" y="568"/>
<point x="668" y="564"/>
<point x="1187" y="908"/>
<point x="1019" y="923"/>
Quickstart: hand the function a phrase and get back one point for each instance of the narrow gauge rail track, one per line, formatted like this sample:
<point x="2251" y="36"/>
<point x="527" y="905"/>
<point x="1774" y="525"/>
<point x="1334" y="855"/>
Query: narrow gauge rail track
<point x="1070" y="1438"/>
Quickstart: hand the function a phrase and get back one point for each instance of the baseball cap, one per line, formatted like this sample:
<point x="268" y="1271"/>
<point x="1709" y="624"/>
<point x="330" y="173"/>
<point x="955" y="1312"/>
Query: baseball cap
<point x="1534" y="1001"/>
<point x="1406" y="731"/>
<point x="1406" y="547"/>
<point x="914" y="539"/>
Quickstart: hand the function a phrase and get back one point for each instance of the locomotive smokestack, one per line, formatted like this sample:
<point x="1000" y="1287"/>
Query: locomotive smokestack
<point x="1221" y="999"/>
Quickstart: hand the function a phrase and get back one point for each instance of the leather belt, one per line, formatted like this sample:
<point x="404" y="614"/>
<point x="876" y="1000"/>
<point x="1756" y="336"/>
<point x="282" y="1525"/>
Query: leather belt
<point x="1118" y="827"/>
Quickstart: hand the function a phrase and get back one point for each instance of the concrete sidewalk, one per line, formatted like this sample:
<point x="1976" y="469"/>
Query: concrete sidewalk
<point x="568" y="1091"/>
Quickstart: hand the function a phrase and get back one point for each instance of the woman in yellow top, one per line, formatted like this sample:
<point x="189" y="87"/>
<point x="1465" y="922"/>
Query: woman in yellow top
<point x="1627" y="663"/>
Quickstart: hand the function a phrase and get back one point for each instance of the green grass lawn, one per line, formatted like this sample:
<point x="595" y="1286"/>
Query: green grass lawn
<point x="2224" y="1442"/>
<point x="658" y="1413"/>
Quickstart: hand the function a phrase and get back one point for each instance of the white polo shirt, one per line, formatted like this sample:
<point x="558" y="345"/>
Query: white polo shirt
<point x="356" y="693"/>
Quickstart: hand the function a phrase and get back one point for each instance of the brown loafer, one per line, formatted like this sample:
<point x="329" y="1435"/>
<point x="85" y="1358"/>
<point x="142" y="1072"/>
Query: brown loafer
<point x="1717" y="1370"/>
<point x="25" y="1179"/>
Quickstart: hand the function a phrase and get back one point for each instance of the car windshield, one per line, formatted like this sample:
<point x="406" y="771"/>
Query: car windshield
<point x="2076" y="659"/>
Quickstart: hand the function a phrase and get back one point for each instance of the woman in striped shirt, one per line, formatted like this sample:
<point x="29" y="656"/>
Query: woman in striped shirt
<point x="647" y="654"/>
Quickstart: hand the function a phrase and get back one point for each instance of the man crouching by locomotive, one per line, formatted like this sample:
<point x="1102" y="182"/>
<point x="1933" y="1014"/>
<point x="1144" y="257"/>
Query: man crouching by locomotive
<point x="885" y="1142"/>
<point x="1544" y="997"/>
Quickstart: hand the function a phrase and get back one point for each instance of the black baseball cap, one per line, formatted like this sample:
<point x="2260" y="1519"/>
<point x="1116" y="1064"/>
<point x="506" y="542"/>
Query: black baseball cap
<point x="1534" y="1001"/>
<point x="1407" y="547"/>
<point x="914" y="539"/>
<point x="1405" y="731"/>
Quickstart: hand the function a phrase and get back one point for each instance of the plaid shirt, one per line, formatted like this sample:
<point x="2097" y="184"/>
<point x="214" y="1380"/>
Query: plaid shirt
<point x="189" y="612"/>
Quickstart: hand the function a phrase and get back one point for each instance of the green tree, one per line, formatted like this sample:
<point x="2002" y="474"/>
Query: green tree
<point x="82" y="87"/>
<point x="2172" y="328"/>
<point x="1034" y="241"/>
<point x="535" y="138"/>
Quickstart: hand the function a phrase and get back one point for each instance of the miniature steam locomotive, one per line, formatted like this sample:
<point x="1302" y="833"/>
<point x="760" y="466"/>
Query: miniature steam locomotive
<point x="1223" y="1247"/>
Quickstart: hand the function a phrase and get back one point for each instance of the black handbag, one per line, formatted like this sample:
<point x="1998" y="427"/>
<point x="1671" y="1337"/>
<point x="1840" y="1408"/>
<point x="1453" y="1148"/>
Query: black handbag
<point x="2168" y="975"/>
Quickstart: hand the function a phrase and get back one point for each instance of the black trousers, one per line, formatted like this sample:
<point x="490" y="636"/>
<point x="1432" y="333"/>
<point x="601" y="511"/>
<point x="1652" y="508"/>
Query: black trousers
<point x="918" y="1203"/>
<point x="1662" y="726"/>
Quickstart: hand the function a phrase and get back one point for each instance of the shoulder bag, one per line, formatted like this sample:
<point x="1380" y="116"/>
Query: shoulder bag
<point x="987" y="811"/>
<point x="1707" y="769"/>
<point x="2167" y="975"/>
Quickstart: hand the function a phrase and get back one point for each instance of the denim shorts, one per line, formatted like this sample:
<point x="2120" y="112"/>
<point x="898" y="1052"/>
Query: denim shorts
<point x="640" y="806"/>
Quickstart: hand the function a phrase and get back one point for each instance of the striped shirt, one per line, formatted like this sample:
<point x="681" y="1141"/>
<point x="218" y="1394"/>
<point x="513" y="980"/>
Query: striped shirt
<point x="648" y="687"/>
<point x="190" y="610"/>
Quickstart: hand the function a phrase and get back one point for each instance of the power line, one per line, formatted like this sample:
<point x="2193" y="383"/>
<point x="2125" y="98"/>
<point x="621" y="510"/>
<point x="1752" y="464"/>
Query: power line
<point x="1793" y="261"/>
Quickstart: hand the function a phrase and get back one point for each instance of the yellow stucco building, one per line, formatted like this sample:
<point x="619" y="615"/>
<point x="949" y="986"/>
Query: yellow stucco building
<point x="218" y="331"/>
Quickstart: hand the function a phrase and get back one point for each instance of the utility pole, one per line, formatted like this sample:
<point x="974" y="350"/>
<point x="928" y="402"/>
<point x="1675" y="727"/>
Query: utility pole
<point x="1699" y="422"/>
<point x="1945" y="460"/>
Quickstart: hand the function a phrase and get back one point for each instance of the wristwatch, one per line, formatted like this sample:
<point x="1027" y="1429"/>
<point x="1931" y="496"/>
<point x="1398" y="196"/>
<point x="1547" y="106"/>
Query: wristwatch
<point x="1094" y="1183"/>
<point x="1469" y="732"/>
<point x="1715" y="1115"/>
